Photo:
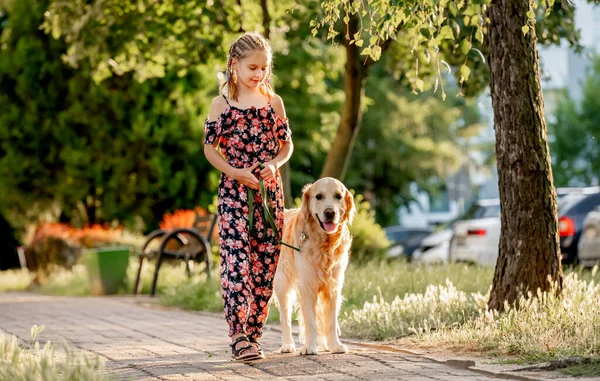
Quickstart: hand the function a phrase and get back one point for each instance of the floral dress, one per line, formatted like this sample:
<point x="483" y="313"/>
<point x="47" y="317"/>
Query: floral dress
<point x="248" y="260"/>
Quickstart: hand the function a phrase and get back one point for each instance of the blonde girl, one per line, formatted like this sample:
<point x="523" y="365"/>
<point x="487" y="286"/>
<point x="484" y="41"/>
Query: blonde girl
<point x="248" y="123"/>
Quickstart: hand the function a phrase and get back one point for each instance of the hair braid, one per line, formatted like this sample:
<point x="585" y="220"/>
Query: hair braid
<point x="240" y="49"/>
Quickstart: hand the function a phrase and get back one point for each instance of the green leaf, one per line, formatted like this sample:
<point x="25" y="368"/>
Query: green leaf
<point x="419" y="84"/>
<point x="465" y="46"/>
<point x="464" y="72"/>
<point x="446" y="33"/>
<point x="525" y="29"/>
<point x="452" y="8"/>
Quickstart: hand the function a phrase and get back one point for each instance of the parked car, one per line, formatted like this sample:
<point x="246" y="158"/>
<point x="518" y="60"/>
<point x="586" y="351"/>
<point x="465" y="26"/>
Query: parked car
<point x="561" y="192"/>
<point x="589" y="242"/>
<point x="435" y="247"/>
<point x="571" y="215"/>
<point x="476" y="236"/>
<point x="405" y="240"/>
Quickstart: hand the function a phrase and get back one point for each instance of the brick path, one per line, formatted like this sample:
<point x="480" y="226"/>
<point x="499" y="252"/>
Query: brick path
<point x="152" y="343"/>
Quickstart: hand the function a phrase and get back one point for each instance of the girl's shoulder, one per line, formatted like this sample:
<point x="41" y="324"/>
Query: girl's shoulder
<point x="277" y="105"/>
<point x="217" y="108"/>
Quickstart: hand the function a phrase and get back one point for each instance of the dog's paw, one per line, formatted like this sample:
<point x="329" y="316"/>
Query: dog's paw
<point x="339" y="348"/>
<point x="287" y="348"/>
<point x="309" y="350"/>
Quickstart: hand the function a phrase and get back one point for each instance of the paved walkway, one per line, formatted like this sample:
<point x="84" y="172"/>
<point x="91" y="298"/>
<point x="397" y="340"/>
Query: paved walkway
<point x="146" y="342"/>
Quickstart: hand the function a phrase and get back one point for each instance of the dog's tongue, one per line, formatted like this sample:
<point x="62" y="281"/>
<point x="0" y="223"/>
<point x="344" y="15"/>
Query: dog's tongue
<point x="329" y="226"/>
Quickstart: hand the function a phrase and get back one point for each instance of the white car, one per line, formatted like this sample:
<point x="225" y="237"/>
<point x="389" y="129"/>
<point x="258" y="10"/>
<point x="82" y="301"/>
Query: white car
<point x="434" y="248"/>
<point x="476" y="237"/>
<point x="589" y="242"/>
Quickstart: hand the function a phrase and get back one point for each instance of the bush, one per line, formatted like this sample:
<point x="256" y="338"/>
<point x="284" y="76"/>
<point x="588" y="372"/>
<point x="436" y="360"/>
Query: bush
<point x="59" y="245"/>
<point x="369" y="239"/>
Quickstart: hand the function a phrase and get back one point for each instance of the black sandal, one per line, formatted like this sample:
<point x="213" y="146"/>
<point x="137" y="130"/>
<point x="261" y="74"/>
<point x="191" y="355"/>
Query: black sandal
<point x="259" y="347"/>
<point x="238" y="353"/>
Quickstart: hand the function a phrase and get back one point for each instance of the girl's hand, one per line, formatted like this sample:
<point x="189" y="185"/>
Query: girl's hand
<point x="268" y="172"/>
<point x="245" y="176"/>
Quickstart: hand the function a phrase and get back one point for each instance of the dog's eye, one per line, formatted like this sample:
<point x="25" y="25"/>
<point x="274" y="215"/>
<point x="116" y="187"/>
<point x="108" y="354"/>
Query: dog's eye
<point x="319" y="196"/>
<point x="338" y="196"/>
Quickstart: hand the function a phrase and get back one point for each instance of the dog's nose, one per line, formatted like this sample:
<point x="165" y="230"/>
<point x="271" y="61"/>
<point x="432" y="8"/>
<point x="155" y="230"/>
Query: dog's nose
<point x="329" y="213"/>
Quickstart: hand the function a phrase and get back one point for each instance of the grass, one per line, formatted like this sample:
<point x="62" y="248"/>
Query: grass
<point x="397" y="278"/>
<point x="442" y="306"/>
<point x="25" y="362"/>
<point x="15" y="280"/>
<point x="544" y="328"/>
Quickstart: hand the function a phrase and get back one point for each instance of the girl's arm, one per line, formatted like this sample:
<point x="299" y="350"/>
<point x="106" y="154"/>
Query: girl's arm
<point x="242" y="175"/>
<point x="286" y="149"/>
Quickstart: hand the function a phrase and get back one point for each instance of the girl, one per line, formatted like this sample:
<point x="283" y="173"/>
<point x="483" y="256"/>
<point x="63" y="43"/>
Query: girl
<point x="248" y="123"/>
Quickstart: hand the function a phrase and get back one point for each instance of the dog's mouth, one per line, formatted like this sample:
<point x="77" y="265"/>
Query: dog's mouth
<point x="328" y="226"/>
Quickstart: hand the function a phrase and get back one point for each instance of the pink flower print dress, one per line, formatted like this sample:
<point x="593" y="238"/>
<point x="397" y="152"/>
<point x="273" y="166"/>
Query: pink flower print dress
<point x="248" y="260"/>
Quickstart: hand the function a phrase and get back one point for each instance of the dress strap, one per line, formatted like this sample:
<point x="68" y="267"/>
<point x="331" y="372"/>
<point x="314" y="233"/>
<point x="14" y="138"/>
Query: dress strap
<point x="224" y="97"/>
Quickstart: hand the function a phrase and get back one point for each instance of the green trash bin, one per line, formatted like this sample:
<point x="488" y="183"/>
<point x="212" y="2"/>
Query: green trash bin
<point x="107" y="268"/>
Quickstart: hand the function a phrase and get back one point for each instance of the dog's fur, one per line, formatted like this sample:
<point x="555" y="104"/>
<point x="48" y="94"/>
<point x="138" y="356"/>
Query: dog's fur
<point x="316" y="273"/>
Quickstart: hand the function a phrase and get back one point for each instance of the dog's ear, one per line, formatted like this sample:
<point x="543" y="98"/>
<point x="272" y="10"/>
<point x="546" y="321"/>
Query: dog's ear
<point x="305" y="208"/>
<point x="350" y="208"/>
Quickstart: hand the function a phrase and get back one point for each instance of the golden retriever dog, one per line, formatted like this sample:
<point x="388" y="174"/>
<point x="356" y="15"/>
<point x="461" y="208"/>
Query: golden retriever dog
<point x="315" y="274"/>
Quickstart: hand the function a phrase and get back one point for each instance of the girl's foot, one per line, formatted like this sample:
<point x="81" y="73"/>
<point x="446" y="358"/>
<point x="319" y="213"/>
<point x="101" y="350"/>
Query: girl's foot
<point x="256" y="344"/>
<point x="243" y="350"/>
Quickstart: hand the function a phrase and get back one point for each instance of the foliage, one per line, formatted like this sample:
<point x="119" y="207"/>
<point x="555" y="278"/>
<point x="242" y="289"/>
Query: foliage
<point x="87" y="152"/>
<point x="575" y="134"/>
<point x="53" y="246"/>
<point x="181" y="218"/>
<point x="34" y="362"/>
<point x="87" y="237"/>
<point x="175" y="35"/>
<point x="92" y="109"/>
<point x="404" y="139"/>
<point x="369" y="241"/>
<point x="308" y="76"/>
<point x="427" y="29"/>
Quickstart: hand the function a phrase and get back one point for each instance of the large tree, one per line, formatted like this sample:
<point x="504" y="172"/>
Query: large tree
<point x="529" y="246"/>
<point x="529" y="252"/>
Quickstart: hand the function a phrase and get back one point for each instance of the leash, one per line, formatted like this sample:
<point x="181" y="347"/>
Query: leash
<point x="269" y="214"/>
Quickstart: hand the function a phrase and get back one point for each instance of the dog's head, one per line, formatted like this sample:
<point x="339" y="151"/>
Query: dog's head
<point x="329" y="203"/>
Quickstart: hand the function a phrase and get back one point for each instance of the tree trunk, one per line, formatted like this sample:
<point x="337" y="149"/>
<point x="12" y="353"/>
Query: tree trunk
<point x="354" y="88"/>
<point x="285" y="169"/>
<point x="266" y="18"/>
<point x="529" y="243"/>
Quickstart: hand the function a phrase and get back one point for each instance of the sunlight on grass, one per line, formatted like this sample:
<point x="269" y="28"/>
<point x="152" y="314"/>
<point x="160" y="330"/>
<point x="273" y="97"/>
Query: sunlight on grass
<point x="441" y="305"/>
<point x="397" y="278"/>
<point x="20" y="362"/>
<point x="15" y="280"/>
<point x="544" y="327"/>
<point x="67" y="283"/>
<point x="198" y="293"/>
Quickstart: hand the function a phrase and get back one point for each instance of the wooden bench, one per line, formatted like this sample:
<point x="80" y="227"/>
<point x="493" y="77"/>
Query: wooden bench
<point x="190" y="245"/>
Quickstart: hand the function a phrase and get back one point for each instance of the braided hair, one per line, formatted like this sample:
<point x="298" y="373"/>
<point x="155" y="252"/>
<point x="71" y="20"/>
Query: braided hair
<point x="242" y="47"/>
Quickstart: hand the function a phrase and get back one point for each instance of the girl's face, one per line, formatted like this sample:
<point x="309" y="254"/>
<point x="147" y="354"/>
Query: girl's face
<point x="253" y="69"/>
